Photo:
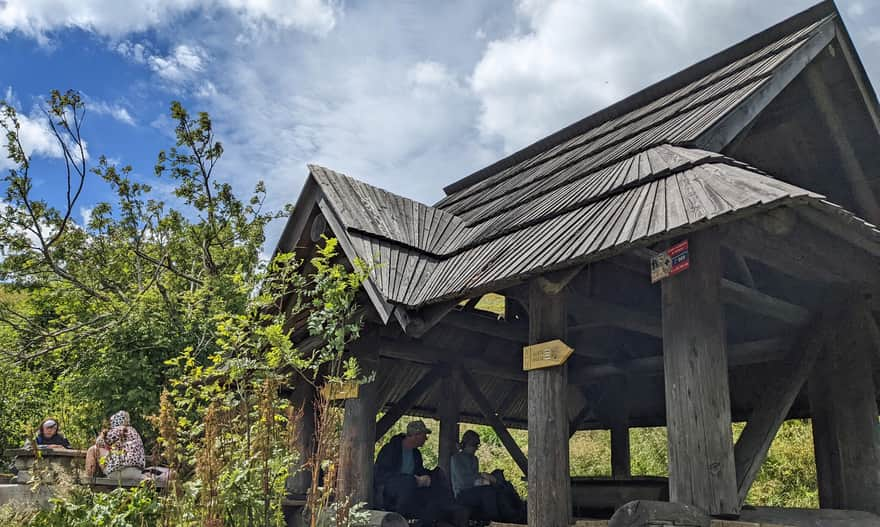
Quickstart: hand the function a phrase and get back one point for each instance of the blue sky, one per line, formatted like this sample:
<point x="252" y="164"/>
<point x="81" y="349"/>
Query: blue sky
<point x="407" y="95"/>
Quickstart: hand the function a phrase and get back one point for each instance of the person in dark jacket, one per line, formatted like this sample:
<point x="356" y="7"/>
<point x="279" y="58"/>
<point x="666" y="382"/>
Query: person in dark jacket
<point x="406" y="486"/>
<point x="50" y="436"/>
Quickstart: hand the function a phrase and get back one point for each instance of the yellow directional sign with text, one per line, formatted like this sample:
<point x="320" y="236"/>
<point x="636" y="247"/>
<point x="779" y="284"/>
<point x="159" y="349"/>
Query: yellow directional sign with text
<point x="335" y="391"/>
<point x="546" y="355"/>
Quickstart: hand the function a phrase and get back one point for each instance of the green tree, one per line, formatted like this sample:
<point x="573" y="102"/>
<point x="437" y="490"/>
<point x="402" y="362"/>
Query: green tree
<point x="100" y="307"/>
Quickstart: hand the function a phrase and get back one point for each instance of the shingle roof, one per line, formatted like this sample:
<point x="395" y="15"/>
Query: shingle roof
<point x="625" y="177"/>
<point x="663" y="191"/>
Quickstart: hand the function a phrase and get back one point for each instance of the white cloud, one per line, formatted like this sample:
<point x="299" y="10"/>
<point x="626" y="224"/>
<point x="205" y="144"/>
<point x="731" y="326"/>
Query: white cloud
<point x="36" y="138"/>
<point x="37" y="18"/>
<point x="182" y="64"/>
<point x="569" y="58"/>
<point x="116" y="111"/>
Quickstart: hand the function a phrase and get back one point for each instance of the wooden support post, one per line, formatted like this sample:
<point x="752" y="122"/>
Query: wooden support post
<point x="494" y="419"/>
<point x="771" y="409"/>
<point x="406" y="402"/>
<point x="844" y="411"/>
<point x="303" y="402"/>
<point x="701" y="466"/>
<point x="549" y="477"/>
<point x="615" y="415"/>
<point x="448" y="414"/>
<point x="357" y="442"/>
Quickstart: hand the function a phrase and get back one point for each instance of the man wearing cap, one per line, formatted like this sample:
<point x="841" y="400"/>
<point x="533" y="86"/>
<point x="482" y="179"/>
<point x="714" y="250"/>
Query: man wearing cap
<point x="400" y="474"/>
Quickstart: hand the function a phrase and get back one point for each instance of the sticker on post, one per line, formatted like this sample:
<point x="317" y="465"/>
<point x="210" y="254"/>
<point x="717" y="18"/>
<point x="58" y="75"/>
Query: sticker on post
<point x="671" y="262"/>
<point x="546" y="355"/>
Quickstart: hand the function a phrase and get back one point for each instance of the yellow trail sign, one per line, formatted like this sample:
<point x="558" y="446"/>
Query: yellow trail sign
<point x="335" y="391"/>
<point x="546" y="354"/>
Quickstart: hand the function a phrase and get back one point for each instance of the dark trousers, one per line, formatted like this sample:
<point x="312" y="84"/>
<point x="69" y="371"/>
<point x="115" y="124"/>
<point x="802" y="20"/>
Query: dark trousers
<point x="482" y="502"/>
<point x="428" y="504"/>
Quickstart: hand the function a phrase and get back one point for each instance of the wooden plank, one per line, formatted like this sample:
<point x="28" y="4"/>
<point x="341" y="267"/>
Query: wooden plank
<point x="614" y="413"/>
<point x="494" y="420"/>
<point x="549" y="480"/>
<point x="421" y="353"/>
<point x="844" y="410"/>
<point x="420" y="388"/>
<point x="701" y="465"/>
<point x="774" y="404"/>
<point x="842" y="224"/>
<point x="303" y="402"/>
<point x="357" y="440"/>
<point x="860" y="186"/>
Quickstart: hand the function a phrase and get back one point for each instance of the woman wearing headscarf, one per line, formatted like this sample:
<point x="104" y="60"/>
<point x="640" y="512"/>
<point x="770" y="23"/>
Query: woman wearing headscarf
<point x="117" y="448"/>
<point x="49" y="435"/>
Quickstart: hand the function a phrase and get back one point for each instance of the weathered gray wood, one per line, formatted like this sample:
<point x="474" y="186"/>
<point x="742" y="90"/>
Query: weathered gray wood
<point x="420" y="388"/>
<point x="616" y="415"/>
<point x="701" y="467"/>
<point x="789" y="517"/>
<point x="771" y="409"/>
<point x="421" y="353"/>
<point x="810" y="253"/>
<point x="382" y="306"/>
<point x="549" y="479"/>
<point x="554" y="283"/>
<point x="488" y="326"/>
<point x="720" y="134"/>
<point x="425" y="319"/>
<point x="585" y="410"/>
<point x="744" y="271"/>
<point x="649" y="513"/>
<point x="357" y="441"/>
<point x="846" y="228"/>
<point x="494" y="420"/>
<point x="762" y="304"/>
<point x="844" y="411"/>
<point x="303" y="401"/>
<point x="861" y="188"/>
<point x="448" y="415"/>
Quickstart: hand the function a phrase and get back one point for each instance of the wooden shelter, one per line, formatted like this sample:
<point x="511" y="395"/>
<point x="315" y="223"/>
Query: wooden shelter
<point x="763" y="158"/>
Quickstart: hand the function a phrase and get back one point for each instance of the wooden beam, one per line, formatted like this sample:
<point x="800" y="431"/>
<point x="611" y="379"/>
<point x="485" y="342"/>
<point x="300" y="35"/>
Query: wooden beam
<point x="422" y="321"/>
<point x="357" y="440"/>
<point x="553" y="283"/>
<point x="806" y="253"/>
<point x="696" y="381"/>
<point x="743" y="268"/>
<point x="421" y="353"/>
<point x="487" y="326"/>
<point x="859" y="185"/>
<point x="614" y="315"/>
<point x="845" y="226"/>
<point x="774" y="404"/>
<point x="742" y="354"/>
<point x="549" y="478"/>
<point x="494" y="420"/>
<point x="844" y="409"/>
<point x="763" y="304"/>
<point x="724" y="130"/>
<point x="419" y="389"/>
<point x="751" y="299"/>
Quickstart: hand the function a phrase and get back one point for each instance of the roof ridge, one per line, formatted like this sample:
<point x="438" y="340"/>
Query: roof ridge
<point x="655" y="91"/>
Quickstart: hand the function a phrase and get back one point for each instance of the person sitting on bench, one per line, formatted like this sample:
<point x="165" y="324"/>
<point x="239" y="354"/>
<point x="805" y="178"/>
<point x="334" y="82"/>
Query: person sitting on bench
<point x="116" y="450"/>
<point x="49" y="435"/>
<point x="406" y="486"/>
<point x="488" y="496"/>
